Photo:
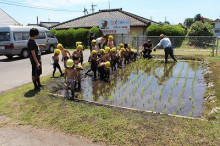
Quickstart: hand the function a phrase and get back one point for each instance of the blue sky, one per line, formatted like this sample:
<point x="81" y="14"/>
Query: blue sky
<point x="175" y="11"/>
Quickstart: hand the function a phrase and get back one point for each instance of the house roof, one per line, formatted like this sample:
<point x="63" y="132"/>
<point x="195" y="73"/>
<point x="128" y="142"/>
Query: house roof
<point x="91" y="20"/>
<point x="48" y="24"/>
<point x="217" y="20"/>
<point x="7" y="19"/>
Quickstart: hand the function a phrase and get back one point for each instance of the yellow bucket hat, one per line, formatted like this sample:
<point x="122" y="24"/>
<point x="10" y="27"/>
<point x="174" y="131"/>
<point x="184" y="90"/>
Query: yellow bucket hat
<point x="107" y="64"/>
<point x="114" y="49"/>
<point x="78" y="43"/>
<point x="93" y="52"/>
<point x="93" y="41"/>
<point x="57" y="51"/>
<point x="79" y="47"/>
<point x="69" y="63"/>
<point x="59" y="46"/>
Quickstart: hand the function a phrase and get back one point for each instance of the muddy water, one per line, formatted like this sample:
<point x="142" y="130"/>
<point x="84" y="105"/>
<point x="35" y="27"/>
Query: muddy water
<point x="174" y="88"/>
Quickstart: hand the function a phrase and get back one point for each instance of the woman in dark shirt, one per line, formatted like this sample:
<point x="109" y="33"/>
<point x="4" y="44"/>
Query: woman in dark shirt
<point x="35" y="58"/>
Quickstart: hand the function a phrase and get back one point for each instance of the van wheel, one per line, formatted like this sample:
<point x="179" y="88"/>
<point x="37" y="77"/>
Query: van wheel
<point x="51" y="49"/>
<point x="24" y="53"/>
<point x="9" y="56"/>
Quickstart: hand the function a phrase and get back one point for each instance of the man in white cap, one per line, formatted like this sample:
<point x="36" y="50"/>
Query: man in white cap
<point x="166" y="43"/>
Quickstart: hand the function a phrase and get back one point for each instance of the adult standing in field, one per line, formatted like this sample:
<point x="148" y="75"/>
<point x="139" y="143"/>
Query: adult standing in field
<point x="166" y="43"/>
<point x="35" y="58"/>
<point x="92" y="37"/>
<point x="101" y="41"/>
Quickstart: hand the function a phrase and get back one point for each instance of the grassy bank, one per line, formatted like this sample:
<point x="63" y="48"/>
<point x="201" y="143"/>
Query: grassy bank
<point x="109" y="125"/>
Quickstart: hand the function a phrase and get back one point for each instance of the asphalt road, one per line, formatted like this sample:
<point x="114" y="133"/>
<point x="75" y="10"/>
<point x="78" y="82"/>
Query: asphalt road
<point x="16" y="71"/>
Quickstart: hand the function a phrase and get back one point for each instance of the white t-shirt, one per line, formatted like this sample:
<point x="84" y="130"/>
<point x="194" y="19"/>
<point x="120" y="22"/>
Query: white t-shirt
<point x="165" y="42"/>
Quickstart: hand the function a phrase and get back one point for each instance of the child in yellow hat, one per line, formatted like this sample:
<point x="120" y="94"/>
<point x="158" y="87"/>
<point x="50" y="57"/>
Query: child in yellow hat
<point x="78" y="70"/>
<point x="110" y="42"/>
<point x="64" y="53"/>
<point x="56" y="64"/>
<point x="94" y="63"/>
<point x="104" y="70"/>
<point x="79" y="52"/>
<point x="113" y="58"/>
<point x="70" y="77"/>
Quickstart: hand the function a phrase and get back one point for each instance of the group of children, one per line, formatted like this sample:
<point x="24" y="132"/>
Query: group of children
<point x="101" y="60"/>
<point x="72" y="66"/>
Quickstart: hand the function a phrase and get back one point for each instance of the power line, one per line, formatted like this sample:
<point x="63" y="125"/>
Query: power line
<point x="34" y="7"/>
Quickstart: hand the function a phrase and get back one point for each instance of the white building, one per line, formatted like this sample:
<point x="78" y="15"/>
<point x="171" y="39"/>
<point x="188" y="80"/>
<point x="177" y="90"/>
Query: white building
<point x="6" y="19"/>
<point x="217" y="27"/>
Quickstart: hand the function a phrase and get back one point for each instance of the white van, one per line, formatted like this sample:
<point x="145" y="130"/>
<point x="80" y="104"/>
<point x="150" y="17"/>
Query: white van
<point x="13" y="40"/>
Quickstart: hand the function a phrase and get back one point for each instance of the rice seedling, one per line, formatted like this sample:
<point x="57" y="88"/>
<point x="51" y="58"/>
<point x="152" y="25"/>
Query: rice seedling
<point x="174" y="113"/>
<point x="164" y="110"/>
<point x="190" y="114"/>
<point x="152" y="109"/>
<point x="120" y="102"/>
<point x="155" y="104"/>
<point x="181" y="105"/>
<point x="190" y="97"/>
<point x="143" y="103"/>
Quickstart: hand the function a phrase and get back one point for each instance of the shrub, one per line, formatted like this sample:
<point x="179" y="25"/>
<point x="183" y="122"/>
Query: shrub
<point x="69" y="38"/>
<point x="81" y="35"/>
<point x="169" y="30"/>
<point x="97" y="31"/>
<point x="60" y="35"/>
<point x="54" y="31"/>
<point x="200" y="29"/>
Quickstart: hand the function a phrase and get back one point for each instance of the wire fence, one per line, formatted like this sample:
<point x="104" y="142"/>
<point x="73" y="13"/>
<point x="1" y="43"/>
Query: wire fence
<point x="206" y="45"/>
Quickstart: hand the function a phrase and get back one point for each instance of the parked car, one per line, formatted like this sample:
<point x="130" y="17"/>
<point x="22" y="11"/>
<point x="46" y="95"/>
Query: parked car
<point x="13" y="40"/>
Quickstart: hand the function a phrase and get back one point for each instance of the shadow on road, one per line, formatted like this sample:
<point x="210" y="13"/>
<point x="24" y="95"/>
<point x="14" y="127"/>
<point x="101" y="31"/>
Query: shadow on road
<point x="30" y="93"/>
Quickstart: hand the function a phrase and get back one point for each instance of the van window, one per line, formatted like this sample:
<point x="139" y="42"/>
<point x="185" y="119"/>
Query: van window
<point x="18" y="36"/>
<point x="50" y="34"/>
<point x="41" y="35"/>
<point x="4" y="36"/>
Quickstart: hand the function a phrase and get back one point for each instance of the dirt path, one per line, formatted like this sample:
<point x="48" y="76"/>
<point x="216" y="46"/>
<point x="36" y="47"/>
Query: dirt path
<point x="11" y="134"/>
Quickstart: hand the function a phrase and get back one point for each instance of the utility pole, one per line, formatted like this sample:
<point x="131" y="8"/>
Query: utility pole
<point x="85" y="11"/>
<point x="93" y="9"/>
<point x="109" y="5"/>
<point x="37" y="20"/>
<point x="165" y="19"/>
<point x="151" y="17"/>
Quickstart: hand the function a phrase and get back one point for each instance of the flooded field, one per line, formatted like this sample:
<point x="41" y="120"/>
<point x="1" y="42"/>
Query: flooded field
<point x="173" y="88"/>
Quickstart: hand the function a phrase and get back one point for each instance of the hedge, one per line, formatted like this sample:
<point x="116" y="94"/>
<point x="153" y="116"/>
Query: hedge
<point x="68" y="38"/>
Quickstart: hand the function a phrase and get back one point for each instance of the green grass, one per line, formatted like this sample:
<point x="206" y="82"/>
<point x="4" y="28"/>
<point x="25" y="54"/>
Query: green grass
<point x="110" y="125"/>
<point x="214" y="78"/>
<point x="185" y="54"/>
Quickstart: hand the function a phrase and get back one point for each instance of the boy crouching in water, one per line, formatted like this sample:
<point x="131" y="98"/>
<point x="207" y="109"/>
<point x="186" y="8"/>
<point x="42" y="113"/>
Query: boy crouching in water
<point x="70" y="77"/>
<point x="56" y="62"/>
<point x="104" y="71"/>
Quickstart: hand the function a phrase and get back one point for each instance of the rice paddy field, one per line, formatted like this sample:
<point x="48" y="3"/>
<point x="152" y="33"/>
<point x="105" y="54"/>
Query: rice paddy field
<point x="173" y="88"/>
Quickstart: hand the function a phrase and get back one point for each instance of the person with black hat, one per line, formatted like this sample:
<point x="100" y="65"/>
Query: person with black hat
<point x="167" y="45"/>
<point x="147" y="49"/>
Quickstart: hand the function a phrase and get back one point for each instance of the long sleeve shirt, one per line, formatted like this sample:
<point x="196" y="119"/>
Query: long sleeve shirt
<point x="165" y="42"/>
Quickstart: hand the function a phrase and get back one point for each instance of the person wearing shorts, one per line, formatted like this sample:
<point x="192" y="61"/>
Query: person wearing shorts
<point x="35" y="58"/>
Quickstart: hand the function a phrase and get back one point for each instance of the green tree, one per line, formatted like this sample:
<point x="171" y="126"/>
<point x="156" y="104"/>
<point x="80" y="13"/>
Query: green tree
<point x="188" y="22"/>
<point x="97" y="31"/>
<point x="197" y="17"/>
<point x="200" y="29"/>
